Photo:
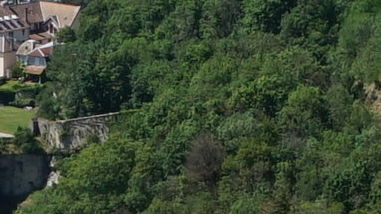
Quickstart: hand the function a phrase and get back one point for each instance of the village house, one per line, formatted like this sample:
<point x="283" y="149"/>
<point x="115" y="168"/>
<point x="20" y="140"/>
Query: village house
<point x="27" y="31"/>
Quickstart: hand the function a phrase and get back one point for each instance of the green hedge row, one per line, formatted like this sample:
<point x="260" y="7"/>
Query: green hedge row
<point x="26" y="97"/>
<point x="7" y="97"/>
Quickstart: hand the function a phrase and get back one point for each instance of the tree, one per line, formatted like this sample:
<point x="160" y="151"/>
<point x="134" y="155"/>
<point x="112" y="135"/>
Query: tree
<point x="304" y="113"/>
<point x="66" y="35"/>
<point x="25" y="141"/>
<point x="265" y="15"/>
<point x="204" y="159"/>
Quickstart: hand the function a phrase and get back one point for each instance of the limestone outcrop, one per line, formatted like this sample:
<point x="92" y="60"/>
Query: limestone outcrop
<point x="68" y="136"/>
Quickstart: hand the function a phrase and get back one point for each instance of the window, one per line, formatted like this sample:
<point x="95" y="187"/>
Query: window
<point x="40" y="61"/>
<point x="23" y="59"/>
<point x="11" y="40"/>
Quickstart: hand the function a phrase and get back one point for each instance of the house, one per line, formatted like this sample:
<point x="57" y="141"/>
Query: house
<point x="34" y="56"/>
<point x="27" y="32"/>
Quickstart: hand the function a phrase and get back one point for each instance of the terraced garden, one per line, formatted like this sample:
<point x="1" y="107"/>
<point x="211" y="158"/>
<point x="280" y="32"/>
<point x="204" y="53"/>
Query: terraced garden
<point x="11" y="118"/>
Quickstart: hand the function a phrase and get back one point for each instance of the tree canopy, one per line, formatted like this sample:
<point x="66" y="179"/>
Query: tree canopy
<point x="244" y="106"/>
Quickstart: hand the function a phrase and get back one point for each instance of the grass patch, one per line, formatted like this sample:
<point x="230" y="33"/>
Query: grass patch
<point x="11" y="118"/>
<point x="10" y="85"/>
<point x="14" y="86"/>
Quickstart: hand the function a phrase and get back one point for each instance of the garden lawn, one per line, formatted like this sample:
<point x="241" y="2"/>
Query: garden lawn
<point x="11" y="118"/>
<point x="9" y="85"/>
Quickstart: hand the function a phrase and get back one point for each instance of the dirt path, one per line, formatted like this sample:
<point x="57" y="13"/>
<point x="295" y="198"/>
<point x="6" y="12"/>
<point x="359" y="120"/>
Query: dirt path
<point x="3" y="135"/>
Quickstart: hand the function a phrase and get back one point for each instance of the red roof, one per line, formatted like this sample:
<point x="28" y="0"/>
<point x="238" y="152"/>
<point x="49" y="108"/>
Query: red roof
<point x="37" y="53"/>
<point x="34" y="69"/>
<point x="47" y="51"/>
<point x="42" y="52"/>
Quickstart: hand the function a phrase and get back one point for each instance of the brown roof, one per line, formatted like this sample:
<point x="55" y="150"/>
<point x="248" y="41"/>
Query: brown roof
<point x="42" y="11"/>
<point x="6" y="11"/>
<point x="34" y="48"/>
<point x="42" y="52"/>
<point x="35" y="70"/>
<point x="36" y="37"/>
<point x="9" y="21"/>
<point x="34" y="12"/>
<point x="47" y="51"/>
<point x="37" y="53"/>
<point x="40" y="36"/>
<point x="65" y="13"/>
<point x="11" y="24"/>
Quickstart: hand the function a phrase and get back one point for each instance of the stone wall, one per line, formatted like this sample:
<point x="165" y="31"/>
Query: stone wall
<point x="67" y="136"/>
<point x="20" y="175"/>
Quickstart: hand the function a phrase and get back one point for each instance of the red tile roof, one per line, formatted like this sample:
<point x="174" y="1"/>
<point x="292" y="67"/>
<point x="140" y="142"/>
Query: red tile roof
<point x="37" y="53"/>
<point x="35" y="70"/>
<point x="47" y="51"/>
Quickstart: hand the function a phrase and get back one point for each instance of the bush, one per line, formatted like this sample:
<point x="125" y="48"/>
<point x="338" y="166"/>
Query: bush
<point x="25" y="141"/>
<point x="26" y="96"/>
<point x="66" y="35"/>
<point x="6" y="97"/>
<point x="17" y="70"/>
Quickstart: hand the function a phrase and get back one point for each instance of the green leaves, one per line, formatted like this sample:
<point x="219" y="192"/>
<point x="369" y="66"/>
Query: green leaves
<point x="264" y="15"/>
<point x="304" y="114"/>
<point x="278" y="84"/>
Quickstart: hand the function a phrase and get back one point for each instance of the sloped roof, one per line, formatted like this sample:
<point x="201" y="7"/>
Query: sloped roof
<point x="9" y="21"/>
<point x="11" y="24"/>
<point x="43" y="51"/>
<point x="42" y="11"/>
<point x="28" y="48"/>
<point x="34" y="69"/>
<point x="40" y="36"/>
<point x="34" y="12"/>
<point x="37" y="53"/>
<point x="6" y="11"/>
<point x="47" y="51"/>
<point x="65" y="13"/>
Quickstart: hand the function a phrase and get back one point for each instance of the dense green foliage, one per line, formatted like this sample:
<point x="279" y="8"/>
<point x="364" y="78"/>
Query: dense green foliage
<point x="24" y="142"/>
<point x="19" y="94"/>
<point x="245" y="106"/>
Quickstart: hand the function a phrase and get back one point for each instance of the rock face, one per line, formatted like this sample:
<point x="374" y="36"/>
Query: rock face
<point x="20" y="175"/>
<point x="373" y="97"/>
<point x="68" y="136"/>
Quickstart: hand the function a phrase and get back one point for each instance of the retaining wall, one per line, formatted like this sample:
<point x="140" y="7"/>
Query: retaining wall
<point x="67" y="136"/>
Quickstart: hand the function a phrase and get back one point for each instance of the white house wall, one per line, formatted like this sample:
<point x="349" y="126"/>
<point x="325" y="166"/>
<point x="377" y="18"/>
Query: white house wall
<point x="7" y="55"/>
<point x="2" y="70"/>
<point x="7" y="61"/>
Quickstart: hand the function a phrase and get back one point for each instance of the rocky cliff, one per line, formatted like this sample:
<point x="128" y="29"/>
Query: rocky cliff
<point x="68" y="136"/>
<point x="20" y="175"/>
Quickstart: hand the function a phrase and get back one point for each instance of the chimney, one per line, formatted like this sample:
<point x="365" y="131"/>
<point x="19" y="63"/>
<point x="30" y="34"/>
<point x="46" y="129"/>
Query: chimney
<point x="3" y="3"/>
<point x="26" y="15"/>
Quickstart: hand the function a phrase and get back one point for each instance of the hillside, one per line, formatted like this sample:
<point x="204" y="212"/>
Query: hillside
<point x="243" y="106"/>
